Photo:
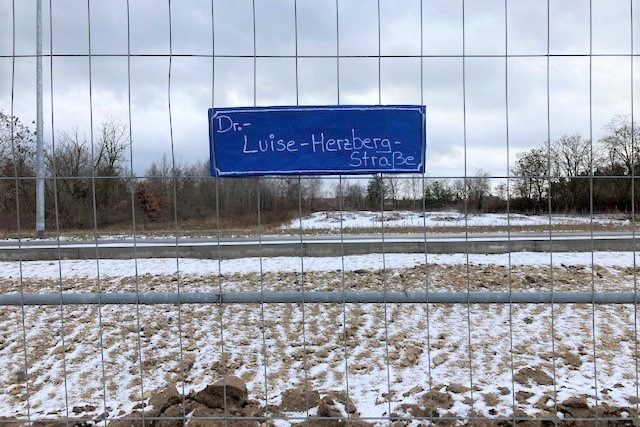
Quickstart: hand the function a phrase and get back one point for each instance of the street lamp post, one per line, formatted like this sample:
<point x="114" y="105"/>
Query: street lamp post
<point x="39" y="145"/>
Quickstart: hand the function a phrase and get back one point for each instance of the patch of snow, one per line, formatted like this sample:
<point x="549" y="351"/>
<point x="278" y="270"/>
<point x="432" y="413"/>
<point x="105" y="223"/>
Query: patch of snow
<point x="413" y="219"/>
<point x="168" y="266"/>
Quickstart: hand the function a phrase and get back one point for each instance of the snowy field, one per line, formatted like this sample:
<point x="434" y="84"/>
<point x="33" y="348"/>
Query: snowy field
<point x="106" y="269"/>
<point x="426" y="347"/>
<point x="411" y="219"/>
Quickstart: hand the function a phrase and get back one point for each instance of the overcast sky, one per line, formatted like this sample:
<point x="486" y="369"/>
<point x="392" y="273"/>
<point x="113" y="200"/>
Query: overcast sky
<point x="318" y="82"/>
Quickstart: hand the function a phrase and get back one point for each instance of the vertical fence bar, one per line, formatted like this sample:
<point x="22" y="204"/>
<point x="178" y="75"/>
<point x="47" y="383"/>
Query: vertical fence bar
<point x="218" y="232"/>
<point x="302" y="291"/>
<point x="259" y="228"/>
<point x="94" y="168"/>
<point x="509" y="266"/>
<point x="591" y="213"/>
<point x="133" y="215"/>
<point x="424" y="227"/>
<point x="549" y="209"/>
<point x="384" y="264"/>
<point x="341" y="209"/>
<point x="57" y="221"/>
<point x="174" y="179"/>
<point x="466" y="203"/>
<point x="302" y="287"/>
<point x="342" y="282"/>
<point x="18" y="228"/>
<point x="634" y="153"/>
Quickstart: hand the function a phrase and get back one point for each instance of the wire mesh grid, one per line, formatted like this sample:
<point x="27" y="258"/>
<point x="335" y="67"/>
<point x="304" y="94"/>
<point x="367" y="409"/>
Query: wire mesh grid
<point x="404" y="300"/>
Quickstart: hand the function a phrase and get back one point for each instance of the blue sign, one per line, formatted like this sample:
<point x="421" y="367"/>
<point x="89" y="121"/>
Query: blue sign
<point x="317" y="140"/>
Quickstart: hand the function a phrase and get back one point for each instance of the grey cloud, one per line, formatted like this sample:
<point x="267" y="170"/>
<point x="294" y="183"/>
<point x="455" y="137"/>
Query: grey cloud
<point x="275" y="22"/>
<point x="318" y="81"/>
<point x="442" y="27"/>
<point x="400" y="27"/>
<point x="317" y="27"/>
<point x="527" y="29"/>
<point x="484" y="27"/>
<point x="317" y="77"/>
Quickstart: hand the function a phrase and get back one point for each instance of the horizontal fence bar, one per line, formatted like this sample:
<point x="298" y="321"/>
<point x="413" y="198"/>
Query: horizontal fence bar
<point x="362" y="177"/>
<point x="135" y="420"/>
<point x="322" y="297"/>
<point x="303" y="56"/>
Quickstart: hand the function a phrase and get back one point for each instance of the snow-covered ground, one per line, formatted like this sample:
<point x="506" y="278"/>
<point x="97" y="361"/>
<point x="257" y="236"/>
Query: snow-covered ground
<point x="426" y="347"/>
<point x="412" y="219"/>
<point x="109" y="268"/>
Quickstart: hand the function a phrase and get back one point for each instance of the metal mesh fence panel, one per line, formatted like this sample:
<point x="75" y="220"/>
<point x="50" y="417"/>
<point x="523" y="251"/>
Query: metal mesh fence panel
<point x="499" y="287"/>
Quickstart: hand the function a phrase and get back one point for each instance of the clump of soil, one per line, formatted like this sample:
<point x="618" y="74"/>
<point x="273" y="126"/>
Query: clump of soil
<point x="226" y="402"/>
<point x="226" y="397"/>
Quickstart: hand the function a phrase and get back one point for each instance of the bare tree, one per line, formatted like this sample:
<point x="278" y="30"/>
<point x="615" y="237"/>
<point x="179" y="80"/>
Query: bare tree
<point x="17" y="150"/>
<point x="571" y="156"/>
<point x="619" y="146"/>
<point x="501" y="191"/>
<point x="312" y="187"/>
<point x="112" y="145"/>
<point x="86" y="181"/>
<point x="478" y="188"/>
<point x="354" y="195"/>
<point x="72" y="156"/>
<point x="392" y="189"/>
<point x="413" y="189"/>
<point x="474" y="189"/>
<point x="459" y="189"/>
<point x="17" y="157"/>
<point x="529" y="176"/>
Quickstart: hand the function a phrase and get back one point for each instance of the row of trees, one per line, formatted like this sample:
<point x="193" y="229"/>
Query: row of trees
<point x="96" y="178"/>
<point x="406" y="192"/>
<point x="572" y="169"/>
<point x="94" y="185"/>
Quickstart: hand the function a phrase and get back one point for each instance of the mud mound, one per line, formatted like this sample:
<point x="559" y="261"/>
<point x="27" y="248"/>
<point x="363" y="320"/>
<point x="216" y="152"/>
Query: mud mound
<point x="228" y="398"/>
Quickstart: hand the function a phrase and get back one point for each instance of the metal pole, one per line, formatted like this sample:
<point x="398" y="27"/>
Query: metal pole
<point x="39" y="147"/>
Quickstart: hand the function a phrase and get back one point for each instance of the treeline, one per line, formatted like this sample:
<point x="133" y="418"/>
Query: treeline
<point x="98" y="179"/>
<point x="568" y="174"/>
<point x="571" y="173"/>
